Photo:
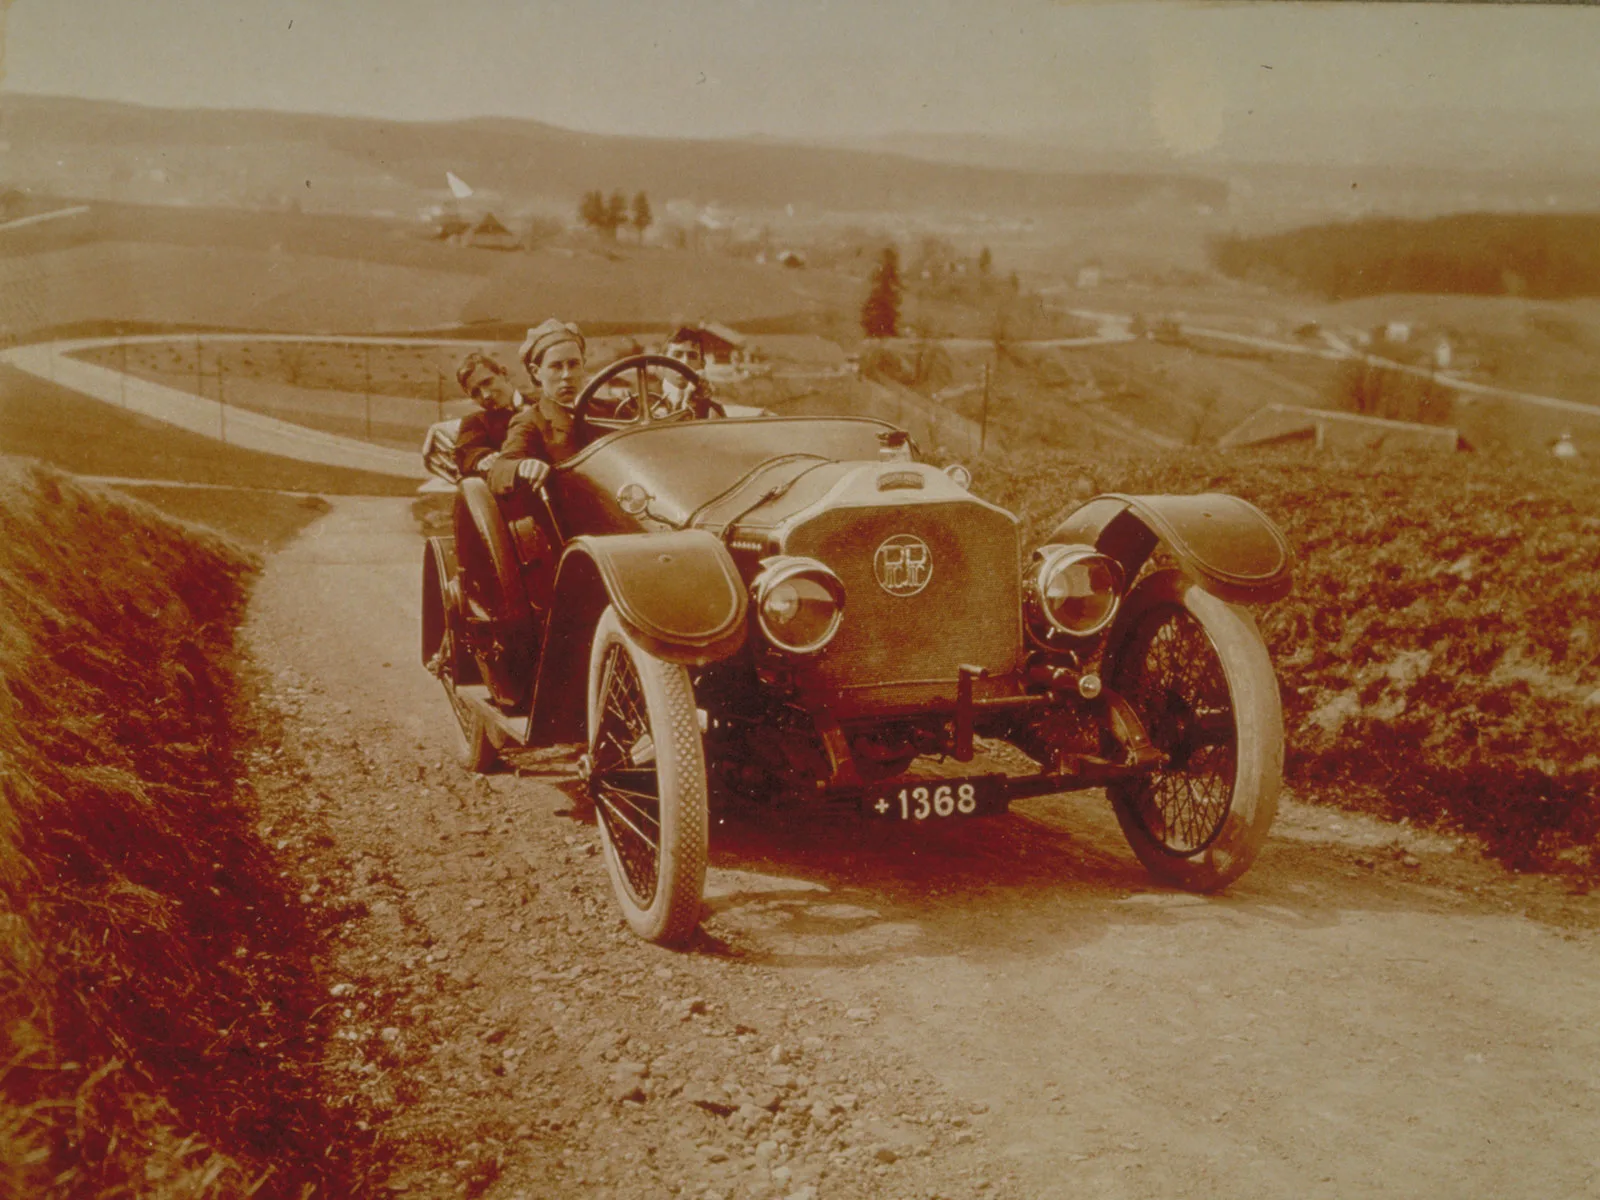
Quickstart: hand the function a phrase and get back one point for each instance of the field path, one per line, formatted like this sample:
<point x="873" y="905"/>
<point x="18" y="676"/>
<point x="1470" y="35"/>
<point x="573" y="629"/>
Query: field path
<point x="55" y="362"/>
<point x="1008" y="1009"/>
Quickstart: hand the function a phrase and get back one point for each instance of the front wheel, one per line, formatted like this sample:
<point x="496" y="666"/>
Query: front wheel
<point x="1196" y="671"/>
<point x="647" y="776"/>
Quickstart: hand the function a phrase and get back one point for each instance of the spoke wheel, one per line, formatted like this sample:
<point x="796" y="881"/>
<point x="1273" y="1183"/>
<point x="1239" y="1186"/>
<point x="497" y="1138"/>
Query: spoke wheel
<point x="1196" y="671"/>
<point x="647" y="778"/>
<point x="475" y="749"/>
<point x="442" y="654"/>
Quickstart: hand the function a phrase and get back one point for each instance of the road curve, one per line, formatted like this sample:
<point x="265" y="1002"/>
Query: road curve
<point x="56" y="362"/>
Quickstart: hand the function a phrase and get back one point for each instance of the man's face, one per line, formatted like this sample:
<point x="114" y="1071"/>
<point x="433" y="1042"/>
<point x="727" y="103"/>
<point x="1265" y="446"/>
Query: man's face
<point x="560" y="372"/>
<point x="688" y="353"/>
<point x="489" y="389"/>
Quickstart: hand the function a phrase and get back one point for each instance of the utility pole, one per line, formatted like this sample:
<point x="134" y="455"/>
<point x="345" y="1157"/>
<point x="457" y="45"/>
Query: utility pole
<point x="983" y="420"/>
<point x="438" y="375"/>
<point x="222" y="407"/>
<point x="122" y="373"/>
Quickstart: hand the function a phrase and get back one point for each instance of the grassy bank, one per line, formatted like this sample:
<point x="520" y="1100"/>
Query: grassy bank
<point x="1440" y="653"/>
<point x="88" y="437"/>
<point x="160" y="1028"/>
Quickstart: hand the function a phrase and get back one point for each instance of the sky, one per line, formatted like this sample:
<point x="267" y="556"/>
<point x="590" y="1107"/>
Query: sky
<point x="1187" y="76"/>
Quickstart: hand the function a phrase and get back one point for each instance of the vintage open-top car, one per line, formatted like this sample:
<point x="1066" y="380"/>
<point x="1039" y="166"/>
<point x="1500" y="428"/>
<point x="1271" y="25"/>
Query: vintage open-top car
<point x="796" y="610"/>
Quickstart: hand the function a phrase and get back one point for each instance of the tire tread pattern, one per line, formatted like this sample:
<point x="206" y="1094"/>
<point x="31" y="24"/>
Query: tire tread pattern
<point x="671" y="919"/>
<point x="1258" y="716"/>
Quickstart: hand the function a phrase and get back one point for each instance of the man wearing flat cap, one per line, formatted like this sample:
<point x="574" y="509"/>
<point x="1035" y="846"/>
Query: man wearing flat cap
<point x="542" y="433"/>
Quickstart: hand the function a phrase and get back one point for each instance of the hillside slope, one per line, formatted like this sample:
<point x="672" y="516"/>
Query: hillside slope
<point x="158" y="978"/>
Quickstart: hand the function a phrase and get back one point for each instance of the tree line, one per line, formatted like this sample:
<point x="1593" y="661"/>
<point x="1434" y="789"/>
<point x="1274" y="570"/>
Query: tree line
<point x="1545" y="256"/>
<point x="607" y="214"/>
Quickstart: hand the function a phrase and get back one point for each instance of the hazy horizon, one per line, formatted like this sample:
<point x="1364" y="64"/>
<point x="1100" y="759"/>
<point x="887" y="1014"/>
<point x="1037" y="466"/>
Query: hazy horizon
<point x="1201" y="83"/>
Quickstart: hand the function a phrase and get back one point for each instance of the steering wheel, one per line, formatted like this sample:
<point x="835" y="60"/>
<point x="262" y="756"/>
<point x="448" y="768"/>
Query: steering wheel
<point x="643" y="407"/>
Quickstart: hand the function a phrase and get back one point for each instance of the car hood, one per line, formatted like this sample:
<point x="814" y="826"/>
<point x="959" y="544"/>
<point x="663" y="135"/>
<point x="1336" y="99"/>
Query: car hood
<point x="704" y="473"/>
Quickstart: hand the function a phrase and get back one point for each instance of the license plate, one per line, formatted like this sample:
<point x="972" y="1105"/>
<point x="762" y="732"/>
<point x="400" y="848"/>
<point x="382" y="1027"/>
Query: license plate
<point x="936" y="799"/>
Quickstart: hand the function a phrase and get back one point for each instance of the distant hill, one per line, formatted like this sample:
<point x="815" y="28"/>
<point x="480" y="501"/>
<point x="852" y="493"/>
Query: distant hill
<point x="1545" y="256"/>
<point x="1407" y="163"/>
<point x="128" y="152"/>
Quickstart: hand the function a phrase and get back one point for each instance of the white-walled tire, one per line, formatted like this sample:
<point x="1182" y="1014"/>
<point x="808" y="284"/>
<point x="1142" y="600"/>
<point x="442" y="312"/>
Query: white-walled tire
<point x="1196" y="671"/>
<point x="647" y="777"/>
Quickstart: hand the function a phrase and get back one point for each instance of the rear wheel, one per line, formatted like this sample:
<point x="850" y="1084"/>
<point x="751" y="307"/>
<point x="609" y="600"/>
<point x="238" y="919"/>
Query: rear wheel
<point x="475" y="749"/>
<point x="442" y="654"/>
<point x="647" y="777"/>
<point x="1196" y="671"/>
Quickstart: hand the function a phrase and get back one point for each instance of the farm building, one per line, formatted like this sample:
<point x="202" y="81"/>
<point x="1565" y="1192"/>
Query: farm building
<point x="722" y="346"/>
<point x="491" y="234"/>
<point x="449" y="226"/>
<point x="1275" y="424"/>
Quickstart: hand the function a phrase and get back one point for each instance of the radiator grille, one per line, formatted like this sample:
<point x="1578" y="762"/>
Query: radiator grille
<point x="969" y="611"/>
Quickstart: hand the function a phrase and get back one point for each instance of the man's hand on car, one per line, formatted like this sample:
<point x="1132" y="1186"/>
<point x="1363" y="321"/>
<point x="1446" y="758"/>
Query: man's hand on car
<point x="532" y="472"/>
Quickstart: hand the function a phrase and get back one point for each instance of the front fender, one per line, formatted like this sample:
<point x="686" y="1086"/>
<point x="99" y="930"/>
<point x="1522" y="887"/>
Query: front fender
<point x="678" y="593"/>
<point x="1228" y="545"/>
<point x="679" y="596"/>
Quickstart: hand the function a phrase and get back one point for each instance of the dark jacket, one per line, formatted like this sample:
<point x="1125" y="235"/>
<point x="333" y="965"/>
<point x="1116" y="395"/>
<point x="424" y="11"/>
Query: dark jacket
<point x="483" y="432"/>
<point x="528" y="435"/>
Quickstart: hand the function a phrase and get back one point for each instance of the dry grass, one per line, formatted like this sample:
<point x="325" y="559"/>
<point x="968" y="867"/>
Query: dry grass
<point x="159" y="985"/>
<point x="1440" y="654"/>
<point x="262" y="521"/>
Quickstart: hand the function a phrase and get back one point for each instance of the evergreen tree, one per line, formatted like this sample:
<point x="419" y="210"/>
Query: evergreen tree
<point x="616" y="213"/>
<point x="592" y="211"/>
<point x="880" y="315"/>
<point x="643" y="218"/>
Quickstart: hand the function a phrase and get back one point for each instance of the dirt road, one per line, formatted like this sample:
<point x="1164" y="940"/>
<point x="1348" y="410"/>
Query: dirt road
<point x="1010" y="1009"/>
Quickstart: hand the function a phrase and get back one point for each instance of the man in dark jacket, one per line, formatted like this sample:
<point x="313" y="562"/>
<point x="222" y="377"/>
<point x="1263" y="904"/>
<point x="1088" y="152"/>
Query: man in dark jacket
<point x="541" y="432"/>
<point x="478" y="444"/>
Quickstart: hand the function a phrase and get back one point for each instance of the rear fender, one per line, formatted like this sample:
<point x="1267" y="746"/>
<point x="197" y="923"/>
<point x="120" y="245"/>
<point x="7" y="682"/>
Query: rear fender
<point x="678" y="594"/>
<point x="1227" y="545"/>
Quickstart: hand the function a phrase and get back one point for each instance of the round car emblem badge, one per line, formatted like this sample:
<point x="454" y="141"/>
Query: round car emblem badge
<point x="903" y="565"/>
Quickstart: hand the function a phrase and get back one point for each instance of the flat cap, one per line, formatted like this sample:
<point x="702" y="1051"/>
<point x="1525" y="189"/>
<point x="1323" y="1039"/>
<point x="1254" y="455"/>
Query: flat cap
<point x="541" y="337"/>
